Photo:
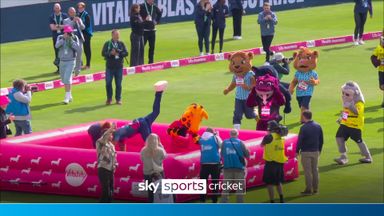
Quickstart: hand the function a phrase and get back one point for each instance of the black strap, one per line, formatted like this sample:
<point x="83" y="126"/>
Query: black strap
<point x="238" y="155"/>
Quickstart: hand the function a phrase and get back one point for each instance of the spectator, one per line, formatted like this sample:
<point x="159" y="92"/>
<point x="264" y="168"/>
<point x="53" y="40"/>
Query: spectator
<point x="77" y="25"/>
<point x="362" y="7"/>
<point x="275" y="158"/>
<point x="203" y="24"/>
<point x="281" y="64"/>
<point x="20" y="97"/>
<point x="4" y="120"/>
<point x="137" y="39"/>
<point x="237" y="15"/>
<point x="95" y="131"/>
<point x="158" y="197"/>
<point x="151" y="15"/>
<point x="56" y="25"/>
<point x="69" y="48"/>
<point x="114" y="52"/>
<point x="210" y="144"/>
<point x="106" y="164"/>
<point x="152" y="156"/>
<point x="267" y="21"/>
<point x="220" y="12"/>
<point x="87" y="33"/>
<point x="309" y="146"/>
<point x="234" y="152"/>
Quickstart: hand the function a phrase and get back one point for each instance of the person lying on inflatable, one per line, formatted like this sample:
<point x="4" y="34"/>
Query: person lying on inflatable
<point x="351" y="123"/>
<point x="267" y="97"/>
<point x="305" y="61"/>
<point x="189" y="123"/>
<point x="140" y="125"/>
<point x="243" y="80"/>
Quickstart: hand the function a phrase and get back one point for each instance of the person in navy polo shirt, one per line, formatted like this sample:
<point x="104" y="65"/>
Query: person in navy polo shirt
<point x="56" y="25"/>
<point x="219" y="12"/>
<point x="203" y="24"/>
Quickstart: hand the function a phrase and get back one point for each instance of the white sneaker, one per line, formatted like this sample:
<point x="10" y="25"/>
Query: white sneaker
<point x="239" y="37"/>
<point x="361" y="42"/>
<point x="160" y="86"/>
<point x="356" y="43"/>
<point x="66" y="101"/>
<point x="201" y="54"/>
<point x="71" y="99"/>
<point x="235" y="37"/>
<point x="207" y="53"/>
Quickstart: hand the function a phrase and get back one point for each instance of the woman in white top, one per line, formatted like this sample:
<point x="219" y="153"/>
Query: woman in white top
<point x="152" y="156"/>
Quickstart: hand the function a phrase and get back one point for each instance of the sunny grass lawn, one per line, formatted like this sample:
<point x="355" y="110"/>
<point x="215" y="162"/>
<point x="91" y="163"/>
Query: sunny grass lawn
<point x="204" y="84"/>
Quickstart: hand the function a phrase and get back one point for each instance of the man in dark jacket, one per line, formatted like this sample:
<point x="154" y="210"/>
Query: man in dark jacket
<point x="114" y="52"/>
<point x="151" y="15"/>
<point x="237" y="14"/>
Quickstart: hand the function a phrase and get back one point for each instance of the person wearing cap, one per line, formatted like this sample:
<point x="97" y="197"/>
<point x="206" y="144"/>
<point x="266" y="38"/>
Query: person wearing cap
<point x="267" y="21"/>
<point x="151" y="16"/>
<point x="141" y="125"/>
<point x="234" y="154"/>
<point x="4" y="119"/>
<point x="87" y="32"/>
<point x="78" y="26"/>
<point x="56" y="25"/>
<point x="20" y="97"/>
<point x="275" y="158"/>
<point x="281" y="64"/>
<point x="114" y="52"/>
<point x="210" y="144"/>
<point x="69" y="47"/>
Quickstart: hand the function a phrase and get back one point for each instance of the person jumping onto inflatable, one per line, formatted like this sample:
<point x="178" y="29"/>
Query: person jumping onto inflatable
<point x="351" y="123"/>
<point x="141" y="125"/>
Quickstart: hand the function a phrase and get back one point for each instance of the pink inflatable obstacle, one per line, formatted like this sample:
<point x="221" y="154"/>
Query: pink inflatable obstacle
<point x="63" y="161"/>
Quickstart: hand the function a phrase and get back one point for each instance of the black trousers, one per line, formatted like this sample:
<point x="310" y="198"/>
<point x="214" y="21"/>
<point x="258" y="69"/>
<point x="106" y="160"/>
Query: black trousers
<point x="203" y="32"/>
<point x="150" y="37"/>
<point x="56" y="62"/>
<point x="150" y="192"/>
<point x="212" y="170"/>
<point x="221" y="37"/>
<point x="237" y="15"/>
<point x="137" y="50"/>
<point x="106" y="182"/>
<point x="267" y="41"/>
<point x="360" y="19"/>
<point x="87" y="48"/>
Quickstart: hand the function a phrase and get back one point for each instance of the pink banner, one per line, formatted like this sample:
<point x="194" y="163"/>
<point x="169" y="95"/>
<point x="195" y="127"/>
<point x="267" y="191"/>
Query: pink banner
<point x="63" y="161"/>
<point x="199" y="60"/>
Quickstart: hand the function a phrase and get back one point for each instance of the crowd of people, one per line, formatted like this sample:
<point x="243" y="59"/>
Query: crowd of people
<point x="71" y="35"/>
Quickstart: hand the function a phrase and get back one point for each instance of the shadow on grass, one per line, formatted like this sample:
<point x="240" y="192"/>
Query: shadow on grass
<point x="374" y="151"/>
<point x="85" y="109"/>
<point x="374" y="120"/>
<point x="293" y="125"/>
<point x="338" y="48"/>
<point x="373" y="108"/>
<point x="43" y="77"/>
<point x="380" y="130"/>
<point x="45" y="106"/>
<point x="370" y="48"/>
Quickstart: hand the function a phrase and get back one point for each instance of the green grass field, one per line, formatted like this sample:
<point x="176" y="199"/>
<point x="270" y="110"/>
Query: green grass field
<point x="354" y="183"/>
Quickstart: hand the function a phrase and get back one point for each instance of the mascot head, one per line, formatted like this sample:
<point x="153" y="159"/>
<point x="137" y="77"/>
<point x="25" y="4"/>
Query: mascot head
<point x="193" y="116"/>
<point x="240" y="63"/>
<point x="351" y="92"/>
<point x="305" y="60"/>
<point x="266" y="86"/>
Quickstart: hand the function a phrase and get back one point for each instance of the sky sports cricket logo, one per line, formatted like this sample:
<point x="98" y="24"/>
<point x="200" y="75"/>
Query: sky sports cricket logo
<point x="194" y="186"/>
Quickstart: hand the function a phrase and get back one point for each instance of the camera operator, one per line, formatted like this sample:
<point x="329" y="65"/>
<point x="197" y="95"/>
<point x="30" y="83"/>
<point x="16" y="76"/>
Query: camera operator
<point x="69" y="47"/>
<point x="274" y="156"/>
<point x="114" y="52"/>
<point x="281" y="64"/>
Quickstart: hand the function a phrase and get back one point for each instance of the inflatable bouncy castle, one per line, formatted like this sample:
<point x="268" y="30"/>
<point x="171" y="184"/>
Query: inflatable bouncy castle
<point x="63" y="161"/>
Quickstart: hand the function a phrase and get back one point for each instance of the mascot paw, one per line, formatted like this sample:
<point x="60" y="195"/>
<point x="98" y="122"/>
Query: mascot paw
<point x="287" y="109"/>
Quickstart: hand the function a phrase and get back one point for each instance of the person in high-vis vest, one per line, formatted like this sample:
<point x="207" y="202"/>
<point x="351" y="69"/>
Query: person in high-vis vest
<point x="351" y="123"/>
<point x="275" y="158"/>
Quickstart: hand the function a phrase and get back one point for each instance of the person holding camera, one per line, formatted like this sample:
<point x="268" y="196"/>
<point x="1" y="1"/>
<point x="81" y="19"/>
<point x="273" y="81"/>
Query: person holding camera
<point x="151" y="15"/>
<point x="210" y="144"/>
<point x="274" y="156"/>
<point x="4" y="119"/>
<point x="87" y="32"/>
<point x="234" y="154"/>
<point x="309" y="146"/>
<point x="69" y="47"/>
<point x="20" y="98"/>
<point x="137" y="39"/>
<point x="56" y="25"/>
<point x="281" y="64"/>
<point x="114" y="52"/>
<point x="203" y="24"/>
<point x="78" y="26"/>
<point x="237" y="11"/>
<point x="267" y="21"/>
<point x="106" y="163"/>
